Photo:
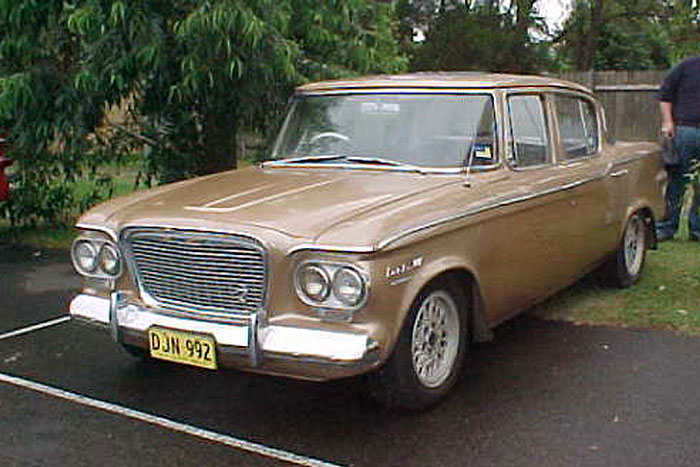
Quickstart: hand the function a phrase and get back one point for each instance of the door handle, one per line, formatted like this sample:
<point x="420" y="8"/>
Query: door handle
<point x="620" y="173"/>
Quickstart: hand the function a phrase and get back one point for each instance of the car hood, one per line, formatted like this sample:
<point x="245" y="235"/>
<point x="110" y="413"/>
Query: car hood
<point x="304" y="204"/>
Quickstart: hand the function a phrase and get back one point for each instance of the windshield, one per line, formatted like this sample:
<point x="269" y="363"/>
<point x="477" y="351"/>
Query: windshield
<point x="423" y="130"/>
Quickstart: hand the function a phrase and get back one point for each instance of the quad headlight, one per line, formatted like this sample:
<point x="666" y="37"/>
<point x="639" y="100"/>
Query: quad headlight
<point x="109" y="261"/>
<point x="348" y="286"/>
<point x="84" y="256"/>
<point x="96" y="257"/>
<point x="314" y="283"/>
<point x="331" y="285"/>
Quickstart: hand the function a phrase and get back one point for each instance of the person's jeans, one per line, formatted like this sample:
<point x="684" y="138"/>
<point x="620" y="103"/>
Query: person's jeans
<point x="686" y="140"/>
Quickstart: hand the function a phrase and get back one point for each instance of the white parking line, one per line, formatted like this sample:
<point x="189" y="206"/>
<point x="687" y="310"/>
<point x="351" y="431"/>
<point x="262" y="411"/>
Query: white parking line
<point x="208" y="435"/>
<point x="35" y="327"/>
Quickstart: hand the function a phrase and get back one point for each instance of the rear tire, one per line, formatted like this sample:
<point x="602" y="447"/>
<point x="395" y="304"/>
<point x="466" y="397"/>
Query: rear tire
<point x="625" y="268"/>
<point x="429" y="353"/>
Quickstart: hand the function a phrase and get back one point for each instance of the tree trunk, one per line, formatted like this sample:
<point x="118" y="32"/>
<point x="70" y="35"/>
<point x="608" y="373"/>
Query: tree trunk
<point x="522" y="25"/>
<point x="587" y="56"/>
<point x="220" y="151"/>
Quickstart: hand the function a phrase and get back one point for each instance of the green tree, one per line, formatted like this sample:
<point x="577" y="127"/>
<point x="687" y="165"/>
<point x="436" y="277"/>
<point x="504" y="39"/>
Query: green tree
<point x="682" y="23"/>
<point x="615" y="35"/>
<point x="486" y="38"/>
<point x="192" y="74"/>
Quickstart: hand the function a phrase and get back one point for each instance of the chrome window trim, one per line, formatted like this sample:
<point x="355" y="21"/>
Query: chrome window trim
<point x="491" y="92"/>
<point x="434" y="88"/>
<point x="509" y="158"/>
<point x="600" y="123"/>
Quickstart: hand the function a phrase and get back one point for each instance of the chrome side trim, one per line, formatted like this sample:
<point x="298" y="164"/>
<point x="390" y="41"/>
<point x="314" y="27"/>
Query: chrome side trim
<point x="331" y="248"/>
<point x="481" y="209"/>
<point x="477" y="210"/>
<point x="474" y="211"/>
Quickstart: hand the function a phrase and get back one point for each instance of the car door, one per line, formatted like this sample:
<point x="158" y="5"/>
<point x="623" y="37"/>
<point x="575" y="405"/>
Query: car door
<point x="529" y="252"/>
<point x="584" y="176"/>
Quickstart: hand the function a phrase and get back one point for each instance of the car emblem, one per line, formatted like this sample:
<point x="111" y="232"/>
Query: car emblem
<point x="396" y="271"/>
<point x="238" y="294"/>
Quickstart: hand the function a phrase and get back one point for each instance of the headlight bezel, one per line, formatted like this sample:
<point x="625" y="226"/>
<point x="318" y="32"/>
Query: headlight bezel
<point x="100" y="246"/>
<point x="330" y="270"/>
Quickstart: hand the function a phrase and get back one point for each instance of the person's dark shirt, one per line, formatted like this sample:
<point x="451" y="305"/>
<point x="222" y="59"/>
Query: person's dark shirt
<point x="682" y="88"/>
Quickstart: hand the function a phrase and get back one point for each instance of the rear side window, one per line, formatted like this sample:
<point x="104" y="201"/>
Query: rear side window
<point x="578" y="127"/>
<point x="528" y="126"/>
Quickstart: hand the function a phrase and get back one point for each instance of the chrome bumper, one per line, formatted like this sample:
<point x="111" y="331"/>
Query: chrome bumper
<point x="254" y="338"/>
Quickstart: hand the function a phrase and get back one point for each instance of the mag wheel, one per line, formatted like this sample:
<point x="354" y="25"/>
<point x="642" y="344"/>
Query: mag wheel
<point x="625" y="268"/>
<point x="429" y="353"/>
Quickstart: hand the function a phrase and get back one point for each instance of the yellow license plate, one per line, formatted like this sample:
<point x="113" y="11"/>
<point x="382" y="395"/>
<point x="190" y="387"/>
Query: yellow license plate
<point x="182" y="347"/>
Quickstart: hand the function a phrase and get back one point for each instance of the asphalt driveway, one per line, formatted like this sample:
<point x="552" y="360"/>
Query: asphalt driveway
<point x="540" y="394"/>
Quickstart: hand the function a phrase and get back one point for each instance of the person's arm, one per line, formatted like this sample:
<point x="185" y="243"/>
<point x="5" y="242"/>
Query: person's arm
<point x="666" y="96"/>
<point x="666" y="118"/>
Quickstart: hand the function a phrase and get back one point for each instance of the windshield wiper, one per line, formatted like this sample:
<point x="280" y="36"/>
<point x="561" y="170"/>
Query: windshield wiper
<point x="307" y="159"/>
<point x="351" y="159"/>
<point x="382" y="161"/>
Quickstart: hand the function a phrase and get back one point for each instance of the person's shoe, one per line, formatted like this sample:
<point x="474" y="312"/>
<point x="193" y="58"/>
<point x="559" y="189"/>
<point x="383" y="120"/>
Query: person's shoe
<point x="694" y="237"/>
<point x="663" y="236"/>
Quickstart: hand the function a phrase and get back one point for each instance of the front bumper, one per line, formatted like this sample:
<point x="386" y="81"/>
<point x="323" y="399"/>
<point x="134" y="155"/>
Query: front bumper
<point x="305" y="353"/>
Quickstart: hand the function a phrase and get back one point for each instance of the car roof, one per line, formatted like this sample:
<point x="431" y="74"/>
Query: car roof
<point x="440" y="81"/>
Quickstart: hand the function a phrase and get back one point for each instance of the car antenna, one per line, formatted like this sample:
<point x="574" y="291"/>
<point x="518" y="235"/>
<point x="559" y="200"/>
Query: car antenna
<point x="467" y="166"/>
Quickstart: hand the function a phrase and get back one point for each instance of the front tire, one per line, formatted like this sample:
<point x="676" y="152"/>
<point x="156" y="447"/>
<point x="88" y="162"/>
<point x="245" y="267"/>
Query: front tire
<point x="625" y="268"/>
<point x="429" y="353"/>
<point x="137" y="352"/>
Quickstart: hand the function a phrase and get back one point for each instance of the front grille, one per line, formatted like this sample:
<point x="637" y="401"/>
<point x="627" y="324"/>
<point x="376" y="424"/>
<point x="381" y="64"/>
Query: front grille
<point x="205" y="273"/>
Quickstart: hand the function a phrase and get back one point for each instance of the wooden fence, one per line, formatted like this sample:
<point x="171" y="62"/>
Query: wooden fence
<point x="629" y="99"/>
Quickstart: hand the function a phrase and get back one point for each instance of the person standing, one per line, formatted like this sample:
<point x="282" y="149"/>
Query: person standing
<point x="679" y="101"/>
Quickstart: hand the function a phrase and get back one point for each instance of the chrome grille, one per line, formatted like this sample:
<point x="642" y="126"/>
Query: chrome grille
<point x="210" y="274"/>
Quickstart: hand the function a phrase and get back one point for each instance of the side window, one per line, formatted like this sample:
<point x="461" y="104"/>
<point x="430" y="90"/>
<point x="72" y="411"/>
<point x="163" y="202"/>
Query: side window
<point x="528" y="126"/>
<point x="578" y="127"/>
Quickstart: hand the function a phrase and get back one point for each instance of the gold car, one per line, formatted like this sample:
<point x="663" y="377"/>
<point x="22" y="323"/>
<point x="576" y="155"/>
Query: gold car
<point x="398" y="219"/>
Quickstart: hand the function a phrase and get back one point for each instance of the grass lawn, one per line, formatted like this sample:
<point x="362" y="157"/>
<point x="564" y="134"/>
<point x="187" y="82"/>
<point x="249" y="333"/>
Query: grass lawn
<point x="666" y="297"/>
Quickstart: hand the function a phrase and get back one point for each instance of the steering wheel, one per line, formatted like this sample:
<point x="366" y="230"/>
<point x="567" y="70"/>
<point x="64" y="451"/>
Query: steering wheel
<point x="329" y="134"/>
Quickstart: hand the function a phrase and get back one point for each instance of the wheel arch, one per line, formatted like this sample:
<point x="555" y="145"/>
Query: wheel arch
<point x="459" y="278"/>
<point x="649" y="221"/>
